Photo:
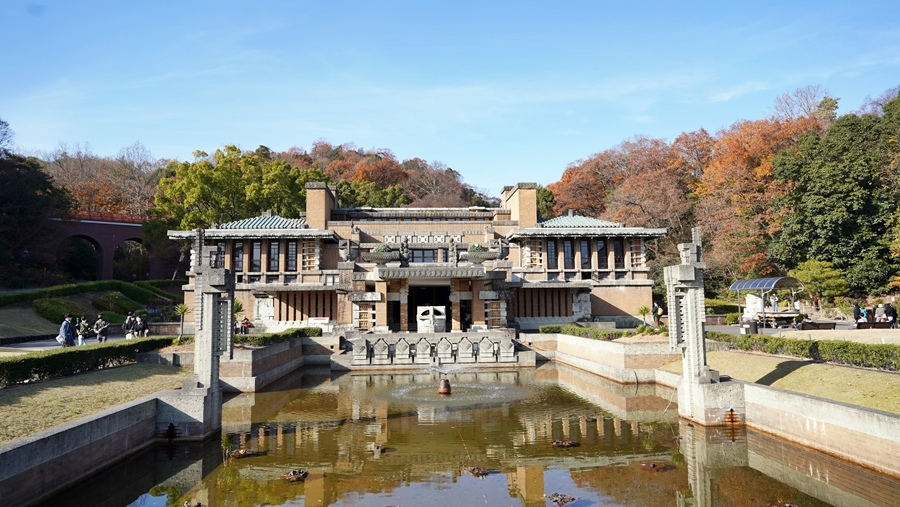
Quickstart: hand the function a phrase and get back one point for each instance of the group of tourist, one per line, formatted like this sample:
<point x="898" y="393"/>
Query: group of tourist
<point x="134" y="326"/>
<point x="884" y="312"/>
<point x="76" y="331"/>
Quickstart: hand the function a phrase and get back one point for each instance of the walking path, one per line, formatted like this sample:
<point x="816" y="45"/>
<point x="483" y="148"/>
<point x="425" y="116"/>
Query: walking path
<point x="36" y="346"/>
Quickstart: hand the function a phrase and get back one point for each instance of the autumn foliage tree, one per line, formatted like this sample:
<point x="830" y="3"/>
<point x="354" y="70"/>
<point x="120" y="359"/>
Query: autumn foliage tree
<point x="737" y="192"/>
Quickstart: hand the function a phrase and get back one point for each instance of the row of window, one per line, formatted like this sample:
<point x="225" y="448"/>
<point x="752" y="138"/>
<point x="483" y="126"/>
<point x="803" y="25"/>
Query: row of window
<point x="255" y="257"/>
<point x="584" y="245"/>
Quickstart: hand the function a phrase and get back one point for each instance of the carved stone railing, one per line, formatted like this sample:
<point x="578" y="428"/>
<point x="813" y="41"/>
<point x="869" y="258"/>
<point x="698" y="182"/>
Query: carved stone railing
<point x="434" y="349"/>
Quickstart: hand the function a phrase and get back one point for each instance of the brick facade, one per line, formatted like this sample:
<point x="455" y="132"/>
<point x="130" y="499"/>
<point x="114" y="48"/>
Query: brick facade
<point x="321" y="268"/>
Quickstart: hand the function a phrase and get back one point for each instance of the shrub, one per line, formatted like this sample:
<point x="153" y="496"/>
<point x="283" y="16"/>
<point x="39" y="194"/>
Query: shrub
<point x="381" y="248"/>
<point x="732" y="318"/>
<point x="55" y="309"/>
<point x="883" y="357"/>
<point x="586" y="332"/>
<point x="157" y="287"/>
<point x="139" y="294"/>
<point x="476" y="247"/>
<point x="64" y="361"/>
<point x="115" y="302"/>
<point x="263" y="339"/>
<point x="720" y="306"/>
<point x="58" y="290"/>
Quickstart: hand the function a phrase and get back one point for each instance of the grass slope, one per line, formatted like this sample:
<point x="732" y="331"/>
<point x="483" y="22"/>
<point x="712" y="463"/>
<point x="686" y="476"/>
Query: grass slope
<point x="29" y="408"/>
<point x="857" y="386"/>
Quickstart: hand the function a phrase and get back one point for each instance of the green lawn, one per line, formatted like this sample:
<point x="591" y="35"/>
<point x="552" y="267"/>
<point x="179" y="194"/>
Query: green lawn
<point x="29" y="408"/>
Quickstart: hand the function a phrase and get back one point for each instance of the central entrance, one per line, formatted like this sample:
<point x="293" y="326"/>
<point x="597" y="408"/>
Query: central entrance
<point x="431" y="293"/>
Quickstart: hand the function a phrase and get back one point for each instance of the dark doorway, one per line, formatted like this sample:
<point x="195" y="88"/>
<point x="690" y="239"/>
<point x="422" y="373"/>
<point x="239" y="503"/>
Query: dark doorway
<point x="430" y="295"/>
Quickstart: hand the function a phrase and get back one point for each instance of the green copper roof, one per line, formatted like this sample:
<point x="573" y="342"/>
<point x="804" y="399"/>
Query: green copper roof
<point x="266" y="221"/>
<point x="571" y="221"/>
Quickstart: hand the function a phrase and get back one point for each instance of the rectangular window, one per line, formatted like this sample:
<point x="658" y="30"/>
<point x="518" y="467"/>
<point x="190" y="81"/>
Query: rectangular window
<point x="217" y="256"/>
<point x="637" y="253"/>
<point x="568" y="254"/>
<point x="256" y="257"/>
<point x="602" y="255"/>
<point x="552" y="260"/>
<point x="585" y="254"/>
<point x="291" y="256"/>
<point x="423" y="255"/>
<point x="619" y="252"/>
<point x="273" y="255"/>
<point x="238" y="256"/>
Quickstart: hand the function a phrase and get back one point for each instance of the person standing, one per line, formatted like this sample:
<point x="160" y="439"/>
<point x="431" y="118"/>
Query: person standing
<point x="890" y="313"/>
<point x="857" y="311"/>
<point x="82" y="330"/>
<point x="141" y="329"/>
<point x="128" y="326"/>
<point x="773" y="300"/>
<point x="67" y="331"/>
<point x="101" y="328"/>
<point x="657" y="313"/>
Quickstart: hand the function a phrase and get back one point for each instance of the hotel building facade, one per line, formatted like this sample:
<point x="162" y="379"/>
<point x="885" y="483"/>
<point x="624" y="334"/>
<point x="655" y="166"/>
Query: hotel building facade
<point x="378" y="269"/>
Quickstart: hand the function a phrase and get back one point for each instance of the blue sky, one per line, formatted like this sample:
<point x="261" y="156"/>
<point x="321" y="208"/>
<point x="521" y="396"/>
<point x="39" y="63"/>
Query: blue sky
<point x="502" y="92"/>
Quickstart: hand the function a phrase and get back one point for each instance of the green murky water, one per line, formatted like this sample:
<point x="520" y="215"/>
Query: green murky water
<point x="392" y="440"/>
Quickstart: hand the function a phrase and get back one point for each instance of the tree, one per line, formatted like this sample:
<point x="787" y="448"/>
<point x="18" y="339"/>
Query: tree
<point x="181" y="310"/>
<point x="643" y="311"/>
<point x="652" y="191"/>
<point x="803" y="102"/>
<point x="28" y="203"/>
<point x="6" y="137"/>
<point x="821" y="280"/>
<point x="136" y="177"/>
<point x="737" y="192"/>
<point x="876" y="105"/>
<point x="545" y="203"/>
<point x="354" y="194"/>
<point x="840" y="206"/>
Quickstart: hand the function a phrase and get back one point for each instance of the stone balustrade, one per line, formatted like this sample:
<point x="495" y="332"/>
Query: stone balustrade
<point x="390" y="349"/>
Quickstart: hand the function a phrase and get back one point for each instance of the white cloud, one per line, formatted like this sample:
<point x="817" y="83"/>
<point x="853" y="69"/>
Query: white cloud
<point x="737" y="91"/>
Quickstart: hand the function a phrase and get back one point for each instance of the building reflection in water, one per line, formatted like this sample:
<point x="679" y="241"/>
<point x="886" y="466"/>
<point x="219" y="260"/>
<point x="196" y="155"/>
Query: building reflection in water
<point x="391" y="440"/>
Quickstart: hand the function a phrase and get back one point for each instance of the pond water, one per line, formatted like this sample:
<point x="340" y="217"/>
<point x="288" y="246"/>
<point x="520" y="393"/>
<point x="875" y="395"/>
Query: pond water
<point x="390" y="439"/>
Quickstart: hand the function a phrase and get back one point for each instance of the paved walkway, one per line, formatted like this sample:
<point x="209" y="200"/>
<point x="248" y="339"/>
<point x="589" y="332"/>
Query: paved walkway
<point x="35" y="346"/>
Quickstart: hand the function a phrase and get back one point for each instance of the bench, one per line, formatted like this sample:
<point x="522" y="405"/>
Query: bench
<point x="816" y="326"/>
<point x="873" y="325"/>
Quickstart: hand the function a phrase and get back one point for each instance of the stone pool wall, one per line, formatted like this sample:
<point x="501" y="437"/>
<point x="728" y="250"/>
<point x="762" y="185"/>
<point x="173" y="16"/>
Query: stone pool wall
<point x="34" y="467"/>
<point x="865" y="436"/>
<point x="626" y="363"/>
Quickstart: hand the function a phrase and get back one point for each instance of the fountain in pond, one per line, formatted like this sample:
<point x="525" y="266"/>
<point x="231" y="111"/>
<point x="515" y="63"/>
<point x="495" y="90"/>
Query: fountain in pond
<point x="444" y="388"/>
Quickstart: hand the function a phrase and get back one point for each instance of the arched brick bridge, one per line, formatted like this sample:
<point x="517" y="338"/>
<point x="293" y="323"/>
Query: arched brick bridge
<point x="106" y="231"/>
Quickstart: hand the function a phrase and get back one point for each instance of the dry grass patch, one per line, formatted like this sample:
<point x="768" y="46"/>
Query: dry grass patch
<point x="857" y="386"/>
<point x="29" y="408"/>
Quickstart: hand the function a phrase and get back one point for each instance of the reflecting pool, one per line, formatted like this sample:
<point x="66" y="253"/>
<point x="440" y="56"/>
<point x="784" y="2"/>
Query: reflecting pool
<point x="517" y="438"/>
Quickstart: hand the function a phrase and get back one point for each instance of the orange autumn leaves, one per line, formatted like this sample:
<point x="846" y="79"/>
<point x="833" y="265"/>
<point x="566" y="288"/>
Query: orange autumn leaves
<point x="722" y="183"/>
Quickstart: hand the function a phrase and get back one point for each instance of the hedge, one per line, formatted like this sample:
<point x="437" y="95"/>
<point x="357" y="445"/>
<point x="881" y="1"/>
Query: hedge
<point x="263" y="339"/>
<point x="64" y="361"/>
<point x="154" y="286"/>
<point x="59" y="290"/>
<point x="139" y="294"/>
<point x="720" y="306"/>
<point x="116" y="302"/>
<point x="867" y="355"/>
<point x="55" y="309"/>
<point x="586" y="332"/>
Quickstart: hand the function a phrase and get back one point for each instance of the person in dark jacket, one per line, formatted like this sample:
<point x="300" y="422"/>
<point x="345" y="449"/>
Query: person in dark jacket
<point x="101" y="328"/>
<point x="67" y="331"/>
<point x="890" y="312"/>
